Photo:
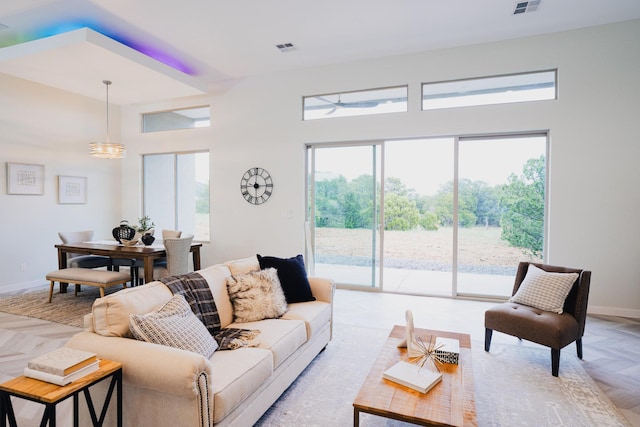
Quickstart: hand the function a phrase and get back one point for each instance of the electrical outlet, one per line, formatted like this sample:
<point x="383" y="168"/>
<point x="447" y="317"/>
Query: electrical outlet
<point x="23" y="266"/>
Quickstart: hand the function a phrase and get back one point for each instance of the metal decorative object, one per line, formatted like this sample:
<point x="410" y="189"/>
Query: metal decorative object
<point x="124" y="231"/>
<point x="428" y="351"/>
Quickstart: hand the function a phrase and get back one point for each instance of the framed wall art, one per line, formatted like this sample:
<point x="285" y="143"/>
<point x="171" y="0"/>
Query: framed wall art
<point x="72" y="189"/>
<point x="25" y="179"/>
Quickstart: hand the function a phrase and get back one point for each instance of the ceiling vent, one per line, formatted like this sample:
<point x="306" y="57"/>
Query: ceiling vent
<point x="527" y="6"/>
<point x="286" y="47"/>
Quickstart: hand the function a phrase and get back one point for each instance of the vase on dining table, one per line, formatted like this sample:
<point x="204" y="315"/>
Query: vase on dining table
<point x="148" y="239"/>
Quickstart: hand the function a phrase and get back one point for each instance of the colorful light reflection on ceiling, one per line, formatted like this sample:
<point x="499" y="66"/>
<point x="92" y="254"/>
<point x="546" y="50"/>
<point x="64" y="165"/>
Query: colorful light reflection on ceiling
<point x="60" y="28"/>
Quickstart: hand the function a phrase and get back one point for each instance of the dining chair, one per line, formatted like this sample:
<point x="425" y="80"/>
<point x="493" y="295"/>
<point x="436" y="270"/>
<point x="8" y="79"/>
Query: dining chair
<point x="178" y="250"/>
<point x="177" y="260"/>
<point x="166" y="234"/>
<point x="79" y="260"/>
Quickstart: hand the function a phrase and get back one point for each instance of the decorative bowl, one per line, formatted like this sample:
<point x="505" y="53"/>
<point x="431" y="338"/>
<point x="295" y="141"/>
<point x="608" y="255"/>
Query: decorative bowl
<point x="133" y="241"/>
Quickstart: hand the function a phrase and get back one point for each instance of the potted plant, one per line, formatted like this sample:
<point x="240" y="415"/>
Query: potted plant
<point x="145" y="227"/>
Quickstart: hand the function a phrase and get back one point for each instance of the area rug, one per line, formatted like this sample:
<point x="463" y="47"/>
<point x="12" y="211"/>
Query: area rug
<point x="64" y="308"/>
<point x="513" y="385"/>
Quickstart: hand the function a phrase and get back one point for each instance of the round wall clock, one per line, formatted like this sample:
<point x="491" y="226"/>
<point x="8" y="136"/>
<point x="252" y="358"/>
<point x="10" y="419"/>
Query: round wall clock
<point x="256" y="186"/>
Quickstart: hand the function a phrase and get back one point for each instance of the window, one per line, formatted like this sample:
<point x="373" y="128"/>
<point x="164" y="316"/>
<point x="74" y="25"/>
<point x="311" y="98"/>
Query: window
<point x="176" y="192"/>
<point x="185" y="118"/>
<point x="359" y="103"/>
<point x="490" y="90"/>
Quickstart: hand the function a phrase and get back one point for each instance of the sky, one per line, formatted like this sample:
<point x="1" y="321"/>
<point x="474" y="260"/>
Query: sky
<point x="425" y="164"/>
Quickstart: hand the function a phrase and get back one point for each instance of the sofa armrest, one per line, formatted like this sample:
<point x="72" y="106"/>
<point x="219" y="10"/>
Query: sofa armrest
<point x="323" y="289"/>
<point x="147" y="365"/>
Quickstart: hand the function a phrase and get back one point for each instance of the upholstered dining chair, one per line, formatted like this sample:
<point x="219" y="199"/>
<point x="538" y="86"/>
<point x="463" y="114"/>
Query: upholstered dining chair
<point x="83" y="261"/>
<point x="158" y="263"/>
<point x="171" y="234"/>
<point x="166" y="234"/>
<point x="177" y="258"/>
<point x="548" y="307"/>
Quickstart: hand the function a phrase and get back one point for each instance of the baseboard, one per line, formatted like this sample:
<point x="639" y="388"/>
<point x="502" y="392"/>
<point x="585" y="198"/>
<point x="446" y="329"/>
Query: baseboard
<point x="35" y="284"/>
<point x="614" y="311"/>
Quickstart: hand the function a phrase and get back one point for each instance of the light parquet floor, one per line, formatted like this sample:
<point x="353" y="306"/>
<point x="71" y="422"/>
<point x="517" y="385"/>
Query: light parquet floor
<point x="611" y="344"/>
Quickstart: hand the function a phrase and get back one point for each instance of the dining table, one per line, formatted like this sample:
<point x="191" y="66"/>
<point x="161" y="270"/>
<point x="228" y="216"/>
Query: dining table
<point x="114" y="249"/>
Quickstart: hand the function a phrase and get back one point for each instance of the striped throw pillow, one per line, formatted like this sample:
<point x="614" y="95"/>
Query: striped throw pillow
<point x="174" y="325"/>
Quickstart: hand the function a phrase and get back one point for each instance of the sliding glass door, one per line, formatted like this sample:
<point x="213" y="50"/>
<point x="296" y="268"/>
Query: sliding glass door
<point x="501" y="205"/>
<point x="432" y="216"/>
<point x="344" y="212"/>
<point x="418" y="216"/>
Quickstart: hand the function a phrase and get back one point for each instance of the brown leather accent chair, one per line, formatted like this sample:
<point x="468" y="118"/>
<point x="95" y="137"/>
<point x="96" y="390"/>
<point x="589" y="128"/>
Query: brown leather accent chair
<point x="543" y="327"/>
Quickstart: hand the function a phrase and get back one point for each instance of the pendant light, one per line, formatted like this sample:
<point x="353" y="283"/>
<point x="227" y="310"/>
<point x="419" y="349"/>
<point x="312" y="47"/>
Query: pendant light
<point x="108" y="149"/>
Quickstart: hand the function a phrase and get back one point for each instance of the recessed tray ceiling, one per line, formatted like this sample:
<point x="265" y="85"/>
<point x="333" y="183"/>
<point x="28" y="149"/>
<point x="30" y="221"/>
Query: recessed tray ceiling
<point x="78" y="61"/>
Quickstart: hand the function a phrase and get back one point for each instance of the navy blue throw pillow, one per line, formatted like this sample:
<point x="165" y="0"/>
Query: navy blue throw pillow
<point x="292" y="275"/>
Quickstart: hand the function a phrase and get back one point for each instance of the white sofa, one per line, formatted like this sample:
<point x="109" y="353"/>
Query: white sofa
<point x="166" y="386"/>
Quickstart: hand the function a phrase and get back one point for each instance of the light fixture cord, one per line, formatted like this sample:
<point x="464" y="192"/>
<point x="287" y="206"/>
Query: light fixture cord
<point x="107" y="83"/>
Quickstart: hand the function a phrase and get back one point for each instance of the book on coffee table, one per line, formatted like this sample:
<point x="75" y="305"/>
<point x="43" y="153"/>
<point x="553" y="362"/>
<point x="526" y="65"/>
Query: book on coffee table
<point x="413" y="376"/>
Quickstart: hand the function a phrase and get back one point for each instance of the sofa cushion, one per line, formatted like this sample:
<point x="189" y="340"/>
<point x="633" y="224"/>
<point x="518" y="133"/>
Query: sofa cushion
<point x="243" y="266"/>
<point x="256" y="296"/>
<point x="111" y="313"/>
<point x="174" y="324"/>
<point x="292" y="275"/>
<point x="235" y="375"/>
<point x="315" y="314"/>
<point x="544" y="290"/>
<point x="216" y="277"/>
<point x="281" y="337"/>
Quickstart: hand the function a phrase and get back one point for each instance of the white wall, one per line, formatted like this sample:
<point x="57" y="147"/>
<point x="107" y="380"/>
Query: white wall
<point x="41" y="125"/>
<point x="593" y="126"/>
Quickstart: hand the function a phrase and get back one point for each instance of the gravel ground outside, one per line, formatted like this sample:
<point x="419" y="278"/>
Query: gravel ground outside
<point x="480" y="249"/>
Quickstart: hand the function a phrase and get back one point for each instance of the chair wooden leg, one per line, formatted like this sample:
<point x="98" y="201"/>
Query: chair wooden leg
<point x="555" y="362"/>
<point x="579" y="347"/>
<point x="487" y="338"/>
<point x="51" y="290"/>
<point x="102" y="291"/>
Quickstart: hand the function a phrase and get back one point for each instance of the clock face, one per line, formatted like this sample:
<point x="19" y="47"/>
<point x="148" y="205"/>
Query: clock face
<point x="256" y="186"/>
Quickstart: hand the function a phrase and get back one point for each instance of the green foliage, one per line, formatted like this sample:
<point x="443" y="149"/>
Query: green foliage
<point x="518" y="206"/>
<point x="144" y="224"/>
<point x="523" y="203"/>
<point x="400" y="213"/>
<point x="202" y="198"/>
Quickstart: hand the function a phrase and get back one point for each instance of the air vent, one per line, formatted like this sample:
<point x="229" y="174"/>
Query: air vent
<point x="286" y="47"/>
<point x="527" y="6"/>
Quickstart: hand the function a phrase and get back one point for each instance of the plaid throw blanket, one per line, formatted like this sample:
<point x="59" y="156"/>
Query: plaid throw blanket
<point x="195" y="290"/>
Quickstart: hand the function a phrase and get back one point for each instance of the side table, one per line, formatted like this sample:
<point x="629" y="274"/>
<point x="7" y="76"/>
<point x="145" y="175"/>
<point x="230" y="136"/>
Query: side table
<point x="50" y="395"/>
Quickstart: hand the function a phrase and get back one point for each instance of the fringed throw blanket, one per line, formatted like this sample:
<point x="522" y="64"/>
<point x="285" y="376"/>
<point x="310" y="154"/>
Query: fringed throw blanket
<point x="195" y="290"/>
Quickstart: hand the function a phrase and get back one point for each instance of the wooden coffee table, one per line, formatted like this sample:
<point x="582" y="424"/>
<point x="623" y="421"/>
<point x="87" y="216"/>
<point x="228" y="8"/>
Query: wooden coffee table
<point x="449" y="403"/>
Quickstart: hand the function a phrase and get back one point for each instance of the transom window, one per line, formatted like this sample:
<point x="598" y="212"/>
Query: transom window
<point x="504" y="89"/>
<point x="357" y="103"/>
<point x="185" y="118"/>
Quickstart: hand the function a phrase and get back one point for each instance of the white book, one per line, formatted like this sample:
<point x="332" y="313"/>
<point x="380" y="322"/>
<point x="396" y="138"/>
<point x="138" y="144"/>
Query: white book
<point x="62" y="380"/>
<point x="412" y="376"/>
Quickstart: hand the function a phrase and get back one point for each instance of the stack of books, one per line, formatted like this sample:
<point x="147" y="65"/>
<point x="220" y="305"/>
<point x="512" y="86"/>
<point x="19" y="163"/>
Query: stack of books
<point x="62" y="366"/>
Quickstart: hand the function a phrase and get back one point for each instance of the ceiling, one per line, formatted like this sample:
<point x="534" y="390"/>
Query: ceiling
<point x="155" y="50"/>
